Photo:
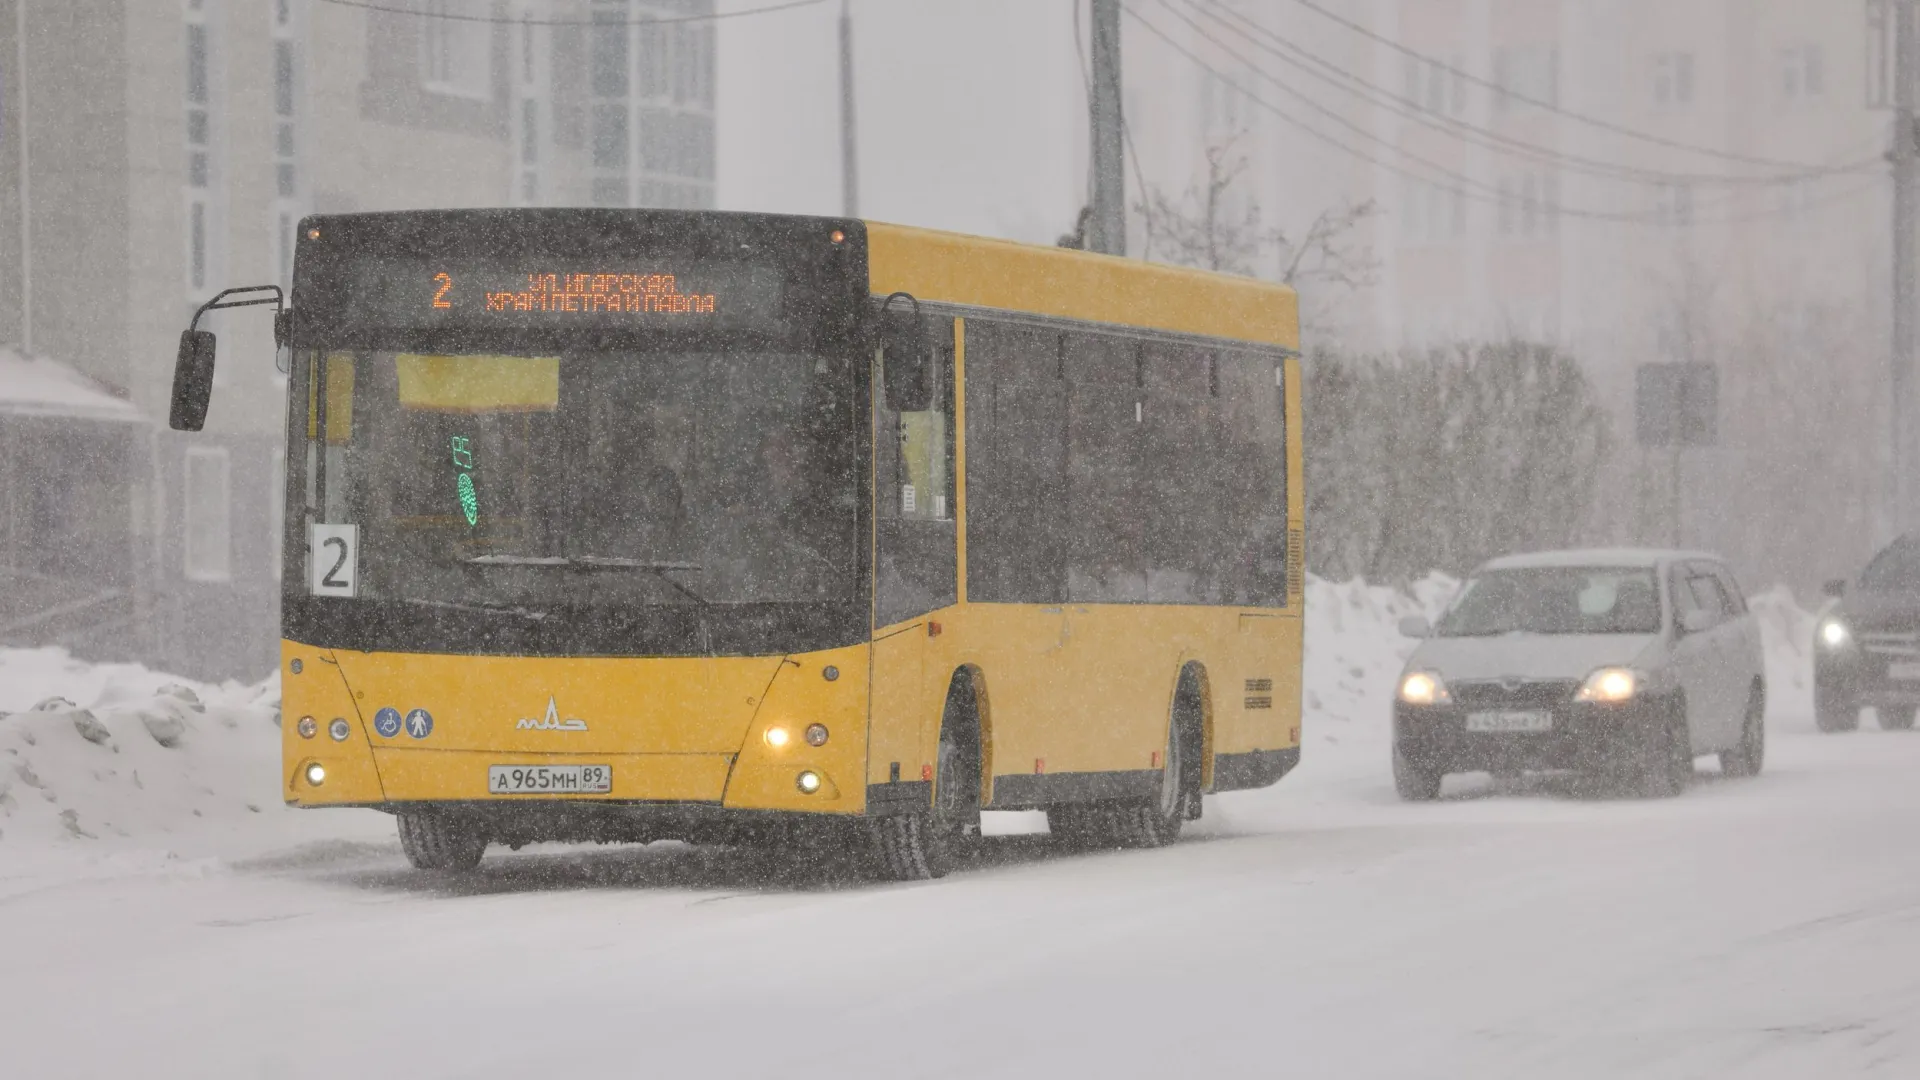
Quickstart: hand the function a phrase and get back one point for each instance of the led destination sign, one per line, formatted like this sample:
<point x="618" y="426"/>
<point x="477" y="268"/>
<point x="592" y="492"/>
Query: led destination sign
<point x="667" y="293"/>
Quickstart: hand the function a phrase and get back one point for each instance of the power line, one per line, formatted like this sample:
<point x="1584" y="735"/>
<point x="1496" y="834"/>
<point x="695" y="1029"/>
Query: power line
<point x="1605" y="125"/>
<point x="449" y="16"/>
<point x="1466" y="186"/>
<point x="1411" y="109"/>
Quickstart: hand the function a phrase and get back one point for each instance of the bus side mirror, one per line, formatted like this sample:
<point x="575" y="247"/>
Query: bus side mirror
<point x="904" y="367"/>
<point x="192" y="381"/>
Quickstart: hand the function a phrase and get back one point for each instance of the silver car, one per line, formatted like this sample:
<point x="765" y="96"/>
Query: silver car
<point x="1629" y="663"/>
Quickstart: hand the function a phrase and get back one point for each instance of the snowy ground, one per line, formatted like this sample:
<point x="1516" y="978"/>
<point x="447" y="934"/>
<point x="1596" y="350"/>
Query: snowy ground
<point x="161" y="912"/>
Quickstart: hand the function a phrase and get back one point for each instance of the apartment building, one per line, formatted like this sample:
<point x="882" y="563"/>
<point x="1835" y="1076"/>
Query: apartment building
<point x="154" y="153"/>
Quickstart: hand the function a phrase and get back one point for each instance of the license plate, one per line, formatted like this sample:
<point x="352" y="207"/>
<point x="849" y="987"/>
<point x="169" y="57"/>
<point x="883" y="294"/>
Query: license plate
<point x="549" y="779"/>
<point x="1903" y="669"/>
<point x="1530" y="720"/>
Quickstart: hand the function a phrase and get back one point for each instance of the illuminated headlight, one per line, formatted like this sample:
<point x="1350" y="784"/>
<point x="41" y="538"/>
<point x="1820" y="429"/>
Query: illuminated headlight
<point x="308" y="727"/>
<point x="316" y="774"/>
<point x="807" y="782"/>
<point x="778" y="737"/>
<point x="1834" y="634"/>
<point x="1423" y="688"/>
<point x="816" y="734"/>
<point x="339" y="730"/>
<point x="1610" y="685"/>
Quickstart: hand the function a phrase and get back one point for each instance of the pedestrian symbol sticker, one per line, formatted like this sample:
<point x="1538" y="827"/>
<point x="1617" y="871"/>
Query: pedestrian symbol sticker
<point x="387" y="723"/>
<point x="419" y="723"/>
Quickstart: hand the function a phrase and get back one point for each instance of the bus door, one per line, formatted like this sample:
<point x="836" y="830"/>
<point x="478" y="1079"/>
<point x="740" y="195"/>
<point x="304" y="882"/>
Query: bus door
<point x="915" y="567"/>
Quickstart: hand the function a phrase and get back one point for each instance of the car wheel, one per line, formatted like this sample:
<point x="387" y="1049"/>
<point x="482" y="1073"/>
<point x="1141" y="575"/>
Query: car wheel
<point x="1834" y="713"/>
<point x="440" y="841"/>
<point x="1896" y="718"/>
<point x="1415" y="781"/>
<point x="1747" y="758"/>
<point x="1666" y="758"/>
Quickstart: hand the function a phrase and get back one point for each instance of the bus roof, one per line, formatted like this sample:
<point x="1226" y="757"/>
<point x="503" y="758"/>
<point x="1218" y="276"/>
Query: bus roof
<point x="1067" y="283"/>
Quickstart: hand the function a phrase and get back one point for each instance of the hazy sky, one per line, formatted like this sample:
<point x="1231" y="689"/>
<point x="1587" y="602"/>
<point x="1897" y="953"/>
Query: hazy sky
<point x="971" y="116"/>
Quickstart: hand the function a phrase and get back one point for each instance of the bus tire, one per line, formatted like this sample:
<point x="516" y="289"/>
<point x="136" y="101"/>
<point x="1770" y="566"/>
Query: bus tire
<point x="439" y="842"/>
<point x="922" y="846"/>
<point x="1153" y="822"/>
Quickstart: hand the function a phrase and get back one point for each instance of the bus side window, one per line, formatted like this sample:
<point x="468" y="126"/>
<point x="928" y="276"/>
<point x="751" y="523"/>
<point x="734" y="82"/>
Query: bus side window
<point x="916" y="565"/>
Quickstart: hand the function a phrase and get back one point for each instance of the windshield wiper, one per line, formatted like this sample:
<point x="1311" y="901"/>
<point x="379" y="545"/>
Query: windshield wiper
<point x="598" y="562"/>
<point x="483" y="609"/>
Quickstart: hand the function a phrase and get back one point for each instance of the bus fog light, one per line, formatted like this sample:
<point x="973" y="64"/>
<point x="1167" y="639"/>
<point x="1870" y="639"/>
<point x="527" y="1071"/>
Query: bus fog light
<point x="808" y="782"/>
<point x="777" y="737"/>
<point x="816" y="734"/>
<point x="339" y="730"/>
<point x="308" y="727"/>
<point x="316" y="774"/>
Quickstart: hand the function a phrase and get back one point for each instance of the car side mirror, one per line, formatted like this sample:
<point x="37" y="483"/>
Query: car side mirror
<point x="1416" y="626"/>
<point x="192" y="381"/>
<point x="1836" y="588"/>
<point x="1697" y="621"/>
<point x="904" y="343"/>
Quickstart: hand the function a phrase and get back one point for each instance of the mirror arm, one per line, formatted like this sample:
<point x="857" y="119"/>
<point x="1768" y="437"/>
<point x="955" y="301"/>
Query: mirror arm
<point x="219" y="301"/>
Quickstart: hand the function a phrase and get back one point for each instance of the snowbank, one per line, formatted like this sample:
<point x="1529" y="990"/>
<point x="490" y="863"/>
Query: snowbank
<point x="95" y="752"/>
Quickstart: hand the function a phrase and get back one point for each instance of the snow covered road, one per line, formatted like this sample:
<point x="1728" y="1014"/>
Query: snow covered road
<point x="1766" y="928"/>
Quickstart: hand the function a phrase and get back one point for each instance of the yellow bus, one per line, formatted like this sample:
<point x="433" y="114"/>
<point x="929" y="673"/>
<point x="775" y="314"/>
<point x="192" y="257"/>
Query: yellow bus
<point x="627" y="524"/>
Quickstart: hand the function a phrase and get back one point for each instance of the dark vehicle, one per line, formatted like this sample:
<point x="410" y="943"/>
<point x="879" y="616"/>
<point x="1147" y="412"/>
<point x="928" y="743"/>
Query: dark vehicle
<point x="1866" y="647"/>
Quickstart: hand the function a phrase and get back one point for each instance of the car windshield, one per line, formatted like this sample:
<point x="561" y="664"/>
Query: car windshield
<point x="1896" y="569"/>
<point x="524" y="483"/>
<point x="1555" y="600"/>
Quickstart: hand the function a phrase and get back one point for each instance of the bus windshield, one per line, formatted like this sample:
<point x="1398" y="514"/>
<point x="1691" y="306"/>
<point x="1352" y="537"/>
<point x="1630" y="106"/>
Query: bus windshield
<point x="531" y="486"/>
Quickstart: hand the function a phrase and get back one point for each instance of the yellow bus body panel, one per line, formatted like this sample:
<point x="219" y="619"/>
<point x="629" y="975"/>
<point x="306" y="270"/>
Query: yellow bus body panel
<point x="679" y="729"/>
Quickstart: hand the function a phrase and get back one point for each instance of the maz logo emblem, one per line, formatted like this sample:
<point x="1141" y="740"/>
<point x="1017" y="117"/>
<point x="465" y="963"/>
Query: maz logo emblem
<point x="551" y="721"/>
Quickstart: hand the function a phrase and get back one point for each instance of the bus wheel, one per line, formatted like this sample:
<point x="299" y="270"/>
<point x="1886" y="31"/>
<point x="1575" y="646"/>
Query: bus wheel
<point x="440" y="842"/>
<point x="922" y="846"/>
<point x="1153" y="822"/>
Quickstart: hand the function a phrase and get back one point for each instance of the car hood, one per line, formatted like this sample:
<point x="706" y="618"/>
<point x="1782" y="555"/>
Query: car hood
<point x="1529" y="656"/>
<point x="1875" y="611"/>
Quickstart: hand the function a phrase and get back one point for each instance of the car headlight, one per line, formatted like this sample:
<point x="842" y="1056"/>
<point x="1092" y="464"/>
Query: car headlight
<point x="1423" y="688"/>
<point x="1610" y="685"/>
<point x="1834" y="634"/>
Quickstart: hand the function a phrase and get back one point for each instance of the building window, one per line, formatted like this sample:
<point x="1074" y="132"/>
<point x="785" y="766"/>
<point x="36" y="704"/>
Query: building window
<point x="1673" y="205"/>
<point x="1803" y="74"/>
<point x="203" y="175"/>
<point x="208" y="539"/>
<point x="1529" y="204"/>
<point x="1430" y="85"/>
<point x="289" y="109"/>
<point x="1673" y="79"/>
<point x="276" y="511"/>
<point x="1526" y="74"/>
<point x="456" y="55"/>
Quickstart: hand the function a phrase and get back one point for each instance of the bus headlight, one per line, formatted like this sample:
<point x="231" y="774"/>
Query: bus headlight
<point x="1609" y="685"/>
<point x="777" y="737"/>
<point x="1423" y="688"/>
<point x="316" y="774"/>
<point x="808" y="782"/>
<point x="1834" y="634"/>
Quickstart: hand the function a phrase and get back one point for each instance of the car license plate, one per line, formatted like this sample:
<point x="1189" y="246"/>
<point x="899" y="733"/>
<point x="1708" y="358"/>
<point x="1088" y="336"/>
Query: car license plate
<point x="1903" y="670"/>
<point x="1530" y="720"/>
<point x="549" y="779"/>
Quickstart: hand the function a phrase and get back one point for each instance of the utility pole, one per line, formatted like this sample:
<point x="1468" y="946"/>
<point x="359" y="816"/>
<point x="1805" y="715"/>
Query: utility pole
<point x="849" y="161"/>
<point x="26" y="197"/>
<point x="1107" y="230"/>
<point x="1906" y="49"/>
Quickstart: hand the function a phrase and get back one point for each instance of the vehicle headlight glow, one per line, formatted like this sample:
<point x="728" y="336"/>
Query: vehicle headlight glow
<point x="777" y="737"/>
<point x="1423" y="688"/>
<point x="316" y="774"/>
<point x="1610" y="685"/>
<point x="1834" y="634"/>
<point x="807" y="782"/>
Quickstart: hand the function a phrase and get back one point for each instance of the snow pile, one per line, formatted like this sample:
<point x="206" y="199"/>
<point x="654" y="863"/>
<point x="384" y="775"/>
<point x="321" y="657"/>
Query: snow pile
<point x="101" y="751"/>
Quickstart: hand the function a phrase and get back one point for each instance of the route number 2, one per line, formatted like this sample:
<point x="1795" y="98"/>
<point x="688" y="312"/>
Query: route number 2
<point x="440" y="294"/>
<point x="333" y="560"/>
